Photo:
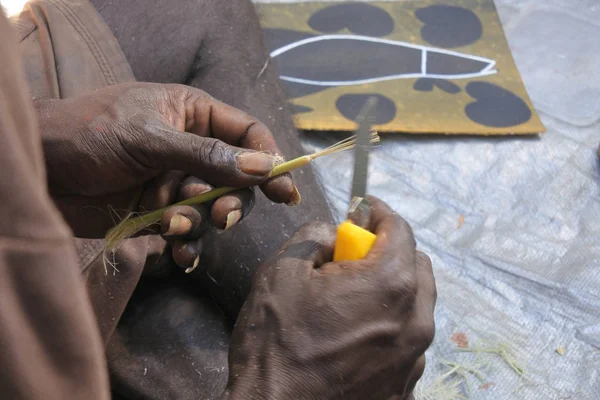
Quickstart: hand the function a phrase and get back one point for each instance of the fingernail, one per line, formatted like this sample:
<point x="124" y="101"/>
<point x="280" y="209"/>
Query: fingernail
<point x="179" y="225"/>
<point x="296" y="198"/>
<point x="193" y="267"/>
<point x="257" y="164"/>
<point x="233" y="218"/>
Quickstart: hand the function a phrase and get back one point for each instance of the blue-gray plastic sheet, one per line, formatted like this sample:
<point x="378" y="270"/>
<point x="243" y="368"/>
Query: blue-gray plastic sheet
<point x="512" y="224"/>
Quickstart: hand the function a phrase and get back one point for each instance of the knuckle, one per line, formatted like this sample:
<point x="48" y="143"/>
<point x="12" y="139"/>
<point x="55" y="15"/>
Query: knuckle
<point x="258" y="135"/>
<point x="418" y="370"/>
<point x="187" y="90"/>
<point x="423" y="259"/>
<point x="399" y="291"/>
<point x="259" y="126"/>
<point x="428" y="332"/>
<point x="213" y="152"/>
<point x="423" y="335"/>
<point x="191" y="189"/>
<point x="404" y="286"/>
<point x="415" y="374"/>
<point x="177" y="91"/>
<point x="405" y="229"/>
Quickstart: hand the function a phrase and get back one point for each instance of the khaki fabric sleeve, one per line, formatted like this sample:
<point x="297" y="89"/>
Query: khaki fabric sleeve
<point x="67" y="51"/>
<point x="50" y="346"/>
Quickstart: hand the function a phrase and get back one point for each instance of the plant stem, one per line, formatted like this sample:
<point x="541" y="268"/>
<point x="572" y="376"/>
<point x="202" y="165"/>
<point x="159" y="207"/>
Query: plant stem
<point x="131" y="226"/>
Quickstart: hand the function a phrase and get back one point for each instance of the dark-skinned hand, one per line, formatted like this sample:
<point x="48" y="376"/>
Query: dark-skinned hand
<point x="316" y="329"/>
<point x="141" y="146"/>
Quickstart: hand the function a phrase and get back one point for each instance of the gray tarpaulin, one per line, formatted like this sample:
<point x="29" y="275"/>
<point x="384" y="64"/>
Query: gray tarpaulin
<point x="524" y="267"/>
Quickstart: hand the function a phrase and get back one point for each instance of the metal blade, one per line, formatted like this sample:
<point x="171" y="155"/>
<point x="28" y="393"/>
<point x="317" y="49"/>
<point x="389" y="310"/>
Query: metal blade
<point x="363" y="147"/>
<point x="358" y="211"/>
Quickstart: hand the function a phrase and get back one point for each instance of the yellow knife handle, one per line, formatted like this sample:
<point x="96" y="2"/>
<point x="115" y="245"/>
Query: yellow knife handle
<point x="352" y="242"/>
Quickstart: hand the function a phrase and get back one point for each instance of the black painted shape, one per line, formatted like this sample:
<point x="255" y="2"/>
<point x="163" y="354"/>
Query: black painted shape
<point x="447" y="86"/>
<point x="359" y="18"/>
<point x="294" y="90"/>
<point x="449" y="64"/>
<point x="427" y="84"/>
<point x="449" y="26"/>
<point x="347" y="60"/>
<point x="276" y="38"/>
<point x="349" y="105"/>
<point x="495" y="107"/>
<point x="424" y="84"/>
<point x="298" y="109"/>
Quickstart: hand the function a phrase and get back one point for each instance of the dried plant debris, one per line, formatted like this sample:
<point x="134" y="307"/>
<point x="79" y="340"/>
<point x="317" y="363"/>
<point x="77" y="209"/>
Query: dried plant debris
<point x="459" y="378"/>
<point x="501" y="350"/>
<point x="455" y="382"/>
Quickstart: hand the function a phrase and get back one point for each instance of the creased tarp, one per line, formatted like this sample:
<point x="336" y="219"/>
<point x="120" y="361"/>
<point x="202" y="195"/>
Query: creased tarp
<point x="524" y="267"/>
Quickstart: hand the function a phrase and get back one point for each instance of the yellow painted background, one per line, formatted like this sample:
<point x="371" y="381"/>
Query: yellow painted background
<point x="417" y="112"/>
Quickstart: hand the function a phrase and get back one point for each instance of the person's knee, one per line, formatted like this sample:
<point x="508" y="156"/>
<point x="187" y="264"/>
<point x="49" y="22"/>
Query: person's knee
<point x="231" y="10"/>
<point x="233" y="25"/>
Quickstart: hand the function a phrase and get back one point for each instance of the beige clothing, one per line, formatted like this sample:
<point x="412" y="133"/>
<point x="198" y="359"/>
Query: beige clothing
<point x="51" y="347"/>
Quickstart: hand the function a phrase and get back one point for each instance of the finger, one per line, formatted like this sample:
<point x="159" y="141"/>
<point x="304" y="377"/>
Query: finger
<point x="237" y="128"/>
<point x="426" y="281"/>
<point x="161" y="191"/>
<point x="281" y="189"/>
<point x="416" y="374"/>
<point x="395" y="244"/>
<point x="423" y="326"/>
<point x="309" y="248"/>
<point x="159" y="263"/>
<point x="184" y="222"/>
<point x="192" y="186"/>
<point x="164" y="264"/>
<point x="230" y="209"/>
<point x="165" y="148"/>
<point x="186" y="254"/>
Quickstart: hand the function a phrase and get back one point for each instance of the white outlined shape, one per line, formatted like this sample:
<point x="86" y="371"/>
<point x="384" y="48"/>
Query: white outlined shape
<point x="487" y="70"/>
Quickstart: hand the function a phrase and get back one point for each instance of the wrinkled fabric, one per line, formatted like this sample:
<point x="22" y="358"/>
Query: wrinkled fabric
<point x="51" y="347"/>
<point x="59" y="40"/>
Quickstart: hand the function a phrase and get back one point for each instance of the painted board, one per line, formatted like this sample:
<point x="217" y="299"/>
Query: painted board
<point x="436" y="66"/>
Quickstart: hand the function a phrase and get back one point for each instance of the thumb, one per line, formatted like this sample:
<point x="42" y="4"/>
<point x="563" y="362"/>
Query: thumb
<point x="211" y="159"/>
<point x="309" y="248"/>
